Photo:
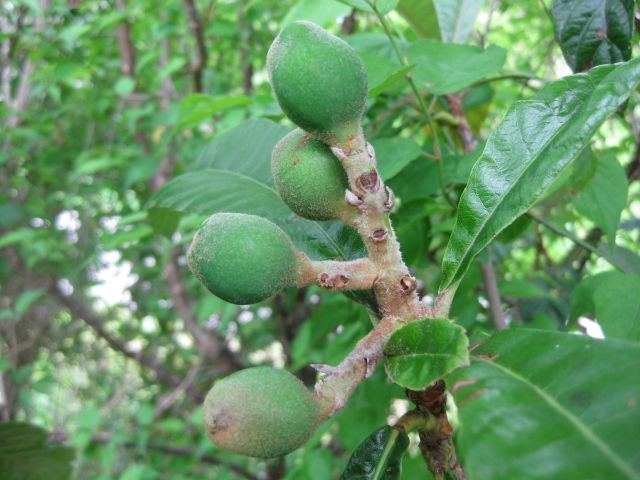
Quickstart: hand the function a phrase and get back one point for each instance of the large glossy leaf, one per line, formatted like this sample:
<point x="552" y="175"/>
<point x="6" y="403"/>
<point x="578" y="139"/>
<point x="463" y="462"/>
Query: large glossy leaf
<point x="536" y="141"/>
<point x="456" y="18"/>
<point x="447" y="68"/>
<point x="593" y="32"/>
<point x="25" y="455"/>
<point x="548" y="405"/>
<point x="379" y="457"/>
<point x="617" y="306"/>
<point x="605" y="196"/>
<point x="423" y="351"/>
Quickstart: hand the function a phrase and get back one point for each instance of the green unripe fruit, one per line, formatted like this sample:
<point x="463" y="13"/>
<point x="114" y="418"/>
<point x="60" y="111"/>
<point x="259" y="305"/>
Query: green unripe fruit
<point x="308" y="177"/>
<point x="261" y="412"/>
<point x="319" y="81"/>
<point x="242" y="258"/>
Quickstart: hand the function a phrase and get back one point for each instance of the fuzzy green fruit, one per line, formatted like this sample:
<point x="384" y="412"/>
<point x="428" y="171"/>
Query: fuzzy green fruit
<point x="261" y="412"/>
<point x="308" y="177"/>
<point x="242" y="258"/>
<point x="319" y="81"/>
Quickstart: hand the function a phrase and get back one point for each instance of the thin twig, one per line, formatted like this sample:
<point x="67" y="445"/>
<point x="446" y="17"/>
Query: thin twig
<point x="202" y="55"/>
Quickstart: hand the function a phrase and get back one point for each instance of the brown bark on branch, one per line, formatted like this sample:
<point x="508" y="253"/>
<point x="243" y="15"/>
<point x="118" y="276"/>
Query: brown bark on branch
<point x="201" y="57"/>
<point x="127" y="51"/>
<point x="358" y="274"/>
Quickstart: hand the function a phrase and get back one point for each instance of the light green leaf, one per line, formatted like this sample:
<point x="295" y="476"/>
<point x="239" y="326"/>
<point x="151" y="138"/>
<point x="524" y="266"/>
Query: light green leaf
<point x="382" y="72"/>
<point x="536" y="141"/>
<point x="456" y="18"/>
<point x="617" y="306"/>
<point x="319" y="13"/>
<point x="394" y="154"/>
<point x="423" y="351"/>
<point x="383" y="6"/>
<point x="197" y="108"/>
<point x="118" y="239"/>
<point x="564" y="406"/>
<point x="604" y="197"/>
<point x="245" y="149"/>
<point x="124" y="86"/>
<point x="421" y="15"/>
<point x="379" y="457"/>
<point x="442" y="68"/>
<point x="26" y="299"/>
<point x="593" y="32"/>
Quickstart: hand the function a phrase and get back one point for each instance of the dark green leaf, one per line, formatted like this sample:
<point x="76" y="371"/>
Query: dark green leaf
<point x="456" y="18"/>
<point x="535" y="142"/>
<point x="379" y="457"/>
<point x="605" y="196"/>
<point x="593" y="32"/>
<point x="26" y="299"/>
<point x="25" y="455"/>
<point x="423" y="351"/>
<point x="163" y="221"/>
<point x="447" y="68"/>
<point x="564" y="405"/>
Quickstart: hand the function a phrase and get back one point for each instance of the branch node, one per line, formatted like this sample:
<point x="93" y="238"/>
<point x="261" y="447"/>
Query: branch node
<point x="379" y="235"/>
<point x="369" y="182"/>
<point x="391" y="200"/>
<point x="407" y="284"/>
<point x="352" y="199"/>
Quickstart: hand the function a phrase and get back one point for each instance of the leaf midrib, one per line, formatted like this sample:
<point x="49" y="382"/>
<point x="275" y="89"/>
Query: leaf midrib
<point x="580" y="426"/>
<point x="382" y="464"/>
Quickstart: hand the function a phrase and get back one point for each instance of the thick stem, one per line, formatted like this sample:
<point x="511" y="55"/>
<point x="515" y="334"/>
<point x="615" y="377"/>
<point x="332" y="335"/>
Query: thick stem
<point x="358" y="274"/>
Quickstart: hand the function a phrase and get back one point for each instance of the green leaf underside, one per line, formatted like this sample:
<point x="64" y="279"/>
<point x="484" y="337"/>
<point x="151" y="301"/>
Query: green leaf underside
<point x="423" y="351"/>
<point x="617" y="307"/>
<point x="456" y="18"/>
<point x="442" y="68"/>
<point x="593" y="32"/>
<point x="383" y="6"/>
<point x="25" y="455"/>
<point x="535" y="142"/>
<point x="563" y="405"/>
<point x="379" y="457"/>
<point x="605" y="196"/>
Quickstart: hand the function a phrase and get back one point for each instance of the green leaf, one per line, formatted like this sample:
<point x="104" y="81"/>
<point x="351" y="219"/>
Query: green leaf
<point x="25" y="455"/>
<point x="382" y="73"/>
<point x="456" y="18"/>
<point x="164" y="221"/>
<point x="379" y="457"/>
<point x="421" y="15"/>
<point x="564" y="406"/>
<point x="245" y="149"/>
<point x="383" y="6"/>
<point x="320" y="13"/>
<point x="124" y="86"/>
<point x="394" y="154"/>
<point x="618" y="307"/>
<point x="582" y="295"/>
<point x="116" y="240"/>
<point x="604" y="197"/>
<point x="536" y="141"/>
<point x="197" y="108"/>
<point x="26" y="299"/>
<point x="593" y="32"/>
<point x="423" y="351"/>
<point x="442" y="68"/>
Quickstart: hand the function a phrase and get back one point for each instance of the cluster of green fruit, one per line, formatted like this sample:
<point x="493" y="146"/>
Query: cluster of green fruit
<point x="321" y="85"/>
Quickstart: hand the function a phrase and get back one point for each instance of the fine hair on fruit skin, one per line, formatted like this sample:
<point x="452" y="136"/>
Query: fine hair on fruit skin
<point x="319" y="81"/>
<point x="308" y="177"/>
<point x="242" y="258"/>
<point x="261" y="412"/>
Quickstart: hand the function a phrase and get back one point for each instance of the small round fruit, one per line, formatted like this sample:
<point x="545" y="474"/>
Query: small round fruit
<point x="308" y="177"/>
<point x="319" y="81"/>
<point x="262" y="412"/>
<point x="242" y="258"/>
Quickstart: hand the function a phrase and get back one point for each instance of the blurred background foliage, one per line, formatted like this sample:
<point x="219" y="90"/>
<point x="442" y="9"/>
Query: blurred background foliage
<point x="108" y="343"/>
